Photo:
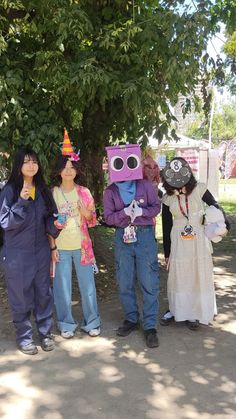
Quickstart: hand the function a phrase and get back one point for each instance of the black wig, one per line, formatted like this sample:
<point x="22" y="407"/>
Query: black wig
<point x="16" y="179"/>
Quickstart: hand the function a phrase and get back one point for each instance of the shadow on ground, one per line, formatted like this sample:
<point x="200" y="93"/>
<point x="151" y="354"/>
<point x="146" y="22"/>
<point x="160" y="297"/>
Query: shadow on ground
<point x="191" y="375"/>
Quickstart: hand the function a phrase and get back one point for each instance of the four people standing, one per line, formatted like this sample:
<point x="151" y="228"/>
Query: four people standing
<point x="27" y="216"/>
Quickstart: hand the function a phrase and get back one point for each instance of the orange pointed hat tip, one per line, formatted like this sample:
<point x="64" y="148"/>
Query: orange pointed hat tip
<point x="67" y="149"/>
<point x="66" y="133"/>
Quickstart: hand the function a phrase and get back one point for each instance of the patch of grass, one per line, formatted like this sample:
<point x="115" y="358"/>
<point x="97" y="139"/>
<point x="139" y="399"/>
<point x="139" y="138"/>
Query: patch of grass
<point x="102" y="234"/>
<point x="229" y="206"/>
<point x="228" y="244"/>
<point x="159" y="229"/>
<point x="105" y="232"/>
<point x="227" y="195"/>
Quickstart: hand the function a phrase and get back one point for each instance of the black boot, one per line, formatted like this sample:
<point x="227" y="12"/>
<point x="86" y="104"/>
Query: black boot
<point x="30" y="349"/>
<point x="151" y="338"/>
<point x="47" y="343"/>
<point x="127" y="328"/>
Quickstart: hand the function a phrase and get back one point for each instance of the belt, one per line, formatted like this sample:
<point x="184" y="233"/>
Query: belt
<point x="137" y="227"/>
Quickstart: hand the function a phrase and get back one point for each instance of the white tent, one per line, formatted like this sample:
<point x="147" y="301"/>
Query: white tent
<point x="184" y="142"/>
<point x="203" y="160"/>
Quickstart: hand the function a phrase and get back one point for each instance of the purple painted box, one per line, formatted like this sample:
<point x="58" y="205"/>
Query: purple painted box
<point x="124" y="162"/>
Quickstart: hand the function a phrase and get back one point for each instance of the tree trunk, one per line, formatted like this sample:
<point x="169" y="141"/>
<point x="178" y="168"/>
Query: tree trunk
<point x="93" y="138"/>
<point x="92" y="176"/>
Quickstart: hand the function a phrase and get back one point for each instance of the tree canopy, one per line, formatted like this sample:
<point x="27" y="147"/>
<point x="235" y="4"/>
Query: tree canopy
<point x="106" y="70"/>
<point x="230" y="51"/>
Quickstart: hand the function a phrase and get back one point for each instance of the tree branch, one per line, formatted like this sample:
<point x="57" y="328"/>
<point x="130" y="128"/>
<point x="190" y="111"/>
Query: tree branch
<point x="12" y="14"/>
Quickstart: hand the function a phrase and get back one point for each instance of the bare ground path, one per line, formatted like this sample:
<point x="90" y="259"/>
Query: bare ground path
<point x="191" y="375"/>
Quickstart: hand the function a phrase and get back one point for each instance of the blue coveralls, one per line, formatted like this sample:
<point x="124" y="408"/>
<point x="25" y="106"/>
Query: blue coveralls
<point x="26" y="261"/>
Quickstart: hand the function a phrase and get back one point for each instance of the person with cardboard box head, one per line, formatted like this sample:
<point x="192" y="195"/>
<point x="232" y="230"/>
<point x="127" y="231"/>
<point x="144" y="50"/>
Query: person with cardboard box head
<point x="131" y="204"/>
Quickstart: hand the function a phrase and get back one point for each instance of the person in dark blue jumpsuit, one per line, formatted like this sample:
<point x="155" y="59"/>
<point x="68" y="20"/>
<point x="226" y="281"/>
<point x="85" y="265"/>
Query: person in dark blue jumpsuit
<point x="26" y="216"/>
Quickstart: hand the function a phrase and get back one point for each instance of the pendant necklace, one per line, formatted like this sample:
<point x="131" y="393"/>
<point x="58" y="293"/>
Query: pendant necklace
<point x="188" y="232"/>
<point x="70" y="211"/>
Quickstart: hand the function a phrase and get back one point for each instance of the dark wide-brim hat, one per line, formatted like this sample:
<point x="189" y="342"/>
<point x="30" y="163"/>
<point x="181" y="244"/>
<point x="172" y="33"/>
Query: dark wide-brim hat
<point x="177" y="172"/>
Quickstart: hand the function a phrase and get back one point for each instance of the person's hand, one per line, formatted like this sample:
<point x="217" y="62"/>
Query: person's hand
<point x="25" y="191"/>
<point x="85" y="212"/>
<point x="58" y="225"/>
<point x="55" y="256"/>
<point x="225" y="233"/>
<point x="137" y="211"/>
<point x="61" y="220"/>
<point x="129" y="211"/>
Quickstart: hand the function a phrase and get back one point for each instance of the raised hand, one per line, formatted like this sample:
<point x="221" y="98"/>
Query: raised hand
<point x="25" y="191"/>
<point x="85" y="212"/>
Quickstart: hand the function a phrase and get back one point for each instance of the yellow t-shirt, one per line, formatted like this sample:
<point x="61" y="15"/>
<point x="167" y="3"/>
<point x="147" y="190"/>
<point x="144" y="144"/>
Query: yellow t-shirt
<point x="32" y="193"/>
<point x="67" y="203"/>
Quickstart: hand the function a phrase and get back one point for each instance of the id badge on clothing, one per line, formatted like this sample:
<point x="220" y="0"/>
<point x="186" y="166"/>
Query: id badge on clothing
<point x="129" y="234"/>
<point x="188" y="233"/>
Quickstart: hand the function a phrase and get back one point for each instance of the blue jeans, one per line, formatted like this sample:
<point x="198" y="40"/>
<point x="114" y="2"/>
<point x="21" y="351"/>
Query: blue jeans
<point x="138" y="260"/>
<point x="62" y="289"/>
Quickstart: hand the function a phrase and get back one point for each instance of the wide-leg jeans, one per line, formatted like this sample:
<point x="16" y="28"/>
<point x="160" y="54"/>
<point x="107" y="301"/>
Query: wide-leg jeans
<point x="62" y="289"/>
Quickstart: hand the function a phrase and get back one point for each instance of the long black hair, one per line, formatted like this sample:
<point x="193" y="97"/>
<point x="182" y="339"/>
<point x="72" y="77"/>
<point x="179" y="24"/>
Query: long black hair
<point x="170" y="190"/>
<point x="60" y="164"/>
<point x="16" y="179"/>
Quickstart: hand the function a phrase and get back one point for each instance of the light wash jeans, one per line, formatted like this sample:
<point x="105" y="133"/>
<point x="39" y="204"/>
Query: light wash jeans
<point x="62" y="288"/>
<point x="138" y="260"/>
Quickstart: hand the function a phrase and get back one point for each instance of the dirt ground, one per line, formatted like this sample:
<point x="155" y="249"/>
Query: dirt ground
<point x="191" y="375"/>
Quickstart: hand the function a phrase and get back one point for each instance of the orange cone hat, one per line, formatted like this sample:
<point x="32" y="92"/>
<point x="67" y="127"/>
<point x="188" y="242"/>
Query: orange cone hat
<point x="67" y="149"/>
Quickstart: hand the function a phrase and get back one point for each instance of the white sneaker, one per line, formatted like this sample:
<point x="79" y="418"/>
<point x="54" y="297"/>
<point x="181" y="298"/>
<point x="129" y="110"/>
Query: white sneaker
<point x="67" y="334"/>
<point x="94" y="332"/>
